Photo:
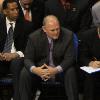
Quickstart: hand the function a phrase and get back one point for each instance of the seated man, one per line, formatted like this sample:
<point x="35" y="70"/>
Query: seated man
<point x="49" y="52"/>
<point x="90" y="56"/>
<point x="13" y="38"/>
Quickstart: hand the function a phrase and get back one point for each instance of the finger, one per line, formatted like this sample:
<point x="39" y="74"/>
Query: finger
<point x="46" y="65"/>
<point x="42" y="66"/>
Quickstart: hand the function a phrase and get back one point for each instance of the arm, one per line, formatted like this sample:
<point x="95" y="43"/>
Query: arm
<point x="69" y="57"/>
<point x="96" y="14"/>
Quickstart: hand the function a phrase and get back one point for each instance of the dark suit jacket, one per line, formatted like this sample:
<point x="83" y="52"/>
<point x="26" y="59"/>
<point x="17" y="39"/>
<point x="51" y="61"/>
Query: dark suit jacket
<point x="37" y="50"/>
<point x="89" y="46"/>
<point x="37" y="10"/>
<point x="20" y="34"/>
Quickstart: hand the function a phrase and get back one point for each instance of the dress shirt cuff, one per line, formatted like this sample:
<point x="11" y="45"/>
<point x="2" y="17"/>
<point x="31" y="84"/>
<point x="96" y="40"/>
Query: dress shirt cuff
<point x="32" y="68"/>
<point x="20" y="53"/>
<point x="59" y="68"/>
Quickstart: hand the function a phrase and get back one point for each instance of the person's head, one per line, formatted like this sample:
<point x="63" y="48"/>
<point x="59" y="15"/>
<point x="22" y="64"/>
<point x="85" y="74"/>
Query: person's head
<point x="10" y="9"/>
<point x="51" y="26"/>
<point x="26" y="3"/>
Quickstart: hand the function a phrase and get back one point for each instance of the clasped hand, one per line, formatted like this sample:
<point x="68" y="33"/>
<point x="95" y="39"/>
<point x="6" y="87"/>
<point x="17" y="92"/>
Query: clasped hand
<point x="7" y="56"/>
<point x="45" y="72"/>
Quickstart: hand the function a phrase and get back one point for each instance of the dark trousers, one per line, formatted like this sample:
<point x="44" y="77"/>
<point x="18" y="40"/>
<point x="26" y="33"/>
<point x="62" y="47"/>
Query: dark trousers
<point x="13" y="67"/>
<point x="29" y="83"/>
<point x="92" y="86"/>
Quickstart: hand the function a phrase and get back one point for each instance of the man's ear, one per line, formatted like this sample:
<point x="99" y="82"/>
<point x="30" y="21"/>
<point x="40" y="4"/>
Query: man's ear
<point x="5" y="11"/>
<point x="43" y="27"/>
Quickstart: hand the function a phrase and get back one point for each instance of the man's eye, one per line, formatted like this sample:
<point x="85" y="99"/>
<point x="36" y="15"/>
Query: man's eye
<point x="52" y="30"/>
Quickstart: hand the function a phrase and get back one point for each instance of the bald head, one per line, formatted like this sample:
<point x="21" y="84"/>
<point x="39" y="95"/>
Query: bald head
<point x="51" y="26"/>
<point x="50" y="19"/>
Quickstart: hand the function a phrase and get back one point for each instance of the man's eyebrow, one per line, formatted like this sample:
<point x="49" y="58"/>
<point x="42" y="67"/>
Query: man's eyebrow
<point x="54" y="29"/>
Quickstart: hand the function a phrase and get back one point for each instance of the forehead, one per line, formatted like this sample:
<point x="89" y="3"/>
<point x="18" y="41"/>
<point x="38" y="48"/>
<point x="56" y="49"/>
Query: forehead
<point x="26" y="1"/>
<point x="51" y="24"/>
<point x="12" y="5"/>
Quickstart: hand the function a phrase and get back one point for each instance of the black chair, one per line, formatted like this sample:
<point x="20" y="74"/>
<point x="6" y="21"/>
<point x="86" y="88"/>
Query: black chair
<point x="52" y="91"/>
<point x="6" y="87"/>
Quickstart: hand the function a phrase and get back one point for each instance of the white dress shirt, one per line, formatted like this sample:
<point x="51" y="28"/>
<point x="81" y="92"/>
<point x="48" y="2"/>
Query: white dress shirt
<point x="13" y="49"/>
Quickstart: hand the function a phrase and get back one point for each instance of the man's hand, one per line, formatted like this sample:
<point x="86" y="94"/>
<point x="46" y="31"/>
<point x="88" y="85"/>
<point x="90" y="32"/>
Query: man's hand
<point x="41" y="71"/>
<point x="51" y="70"/>
<point x="1" y="57"/>
<point x="45" y="72"/>
<point x="94" y="64"/>
<point x="9" y="56"/>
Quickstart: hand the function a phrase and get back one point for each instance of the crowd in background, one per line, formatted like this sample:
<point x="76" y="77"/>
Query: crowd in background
<point x="81" y="17"/>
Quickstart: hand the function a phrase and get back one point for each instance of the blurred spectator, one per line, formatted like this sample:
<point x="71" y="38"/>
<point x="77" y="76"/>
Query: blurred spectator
<point x="33" y="10"/>
<point x="96" y="13"/>
<point x="89" y="55"/>
<point x="1" y="1"/>
<point x="73" y="14"/>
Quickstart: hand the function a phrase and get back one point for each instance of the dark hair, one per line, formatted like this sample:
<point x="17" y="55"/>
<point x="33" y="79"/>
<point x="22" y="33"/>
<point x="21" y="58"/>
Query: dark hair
<point x="5" y="3"/>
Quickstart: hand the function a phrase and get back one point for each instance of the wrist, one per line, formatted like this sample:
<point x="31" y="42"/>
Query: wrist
<point x="91" y="63"/>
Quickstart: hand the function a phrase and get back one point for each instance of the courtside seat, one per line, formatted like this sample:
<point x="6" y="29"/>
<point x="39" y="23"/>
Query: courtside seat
<point x="6" y="88"/>
<point x="52" y="91"/>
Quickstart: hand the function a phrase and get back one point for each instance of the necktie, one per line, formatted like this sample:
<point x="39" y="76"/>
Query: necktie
<point x="9" y="39"/>
<point x="27" y="16"/>
<point x="52" y="79"/>
<point x="50" y="53"/>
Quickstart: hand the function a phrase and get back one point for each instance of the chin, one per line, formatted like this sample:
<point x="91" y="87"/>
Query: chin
<point x="55" y="38"/>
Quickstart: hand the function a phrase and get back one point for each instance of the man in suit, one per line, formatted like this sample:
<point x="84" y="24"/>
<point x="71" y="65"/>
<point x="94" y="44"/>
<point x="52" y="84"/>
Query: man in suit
<point x="35" y="8"/>
<point x="12" y="59"/>
<point x="89" y="55"/>
<point x="49" y="52"/>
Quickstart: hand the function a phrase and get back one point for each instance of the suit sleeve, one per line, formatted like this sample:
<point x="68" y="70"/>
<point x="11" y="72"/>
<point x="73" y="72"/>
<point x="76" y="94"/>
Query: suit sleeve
<point x="69" y="56"/>
<point x="29" y="54"/>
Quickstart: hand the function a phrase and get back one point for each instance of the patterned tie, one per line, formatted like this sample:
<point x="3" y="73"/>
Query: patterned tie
<point x="52" y="79"/>
<point x="50" y="53"/>
<point x="9" y="39"/>
<point x="27" y="16"/>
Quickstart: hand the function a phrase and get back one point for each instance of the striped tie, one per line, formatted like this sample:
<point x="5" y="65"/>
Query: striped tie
<point x="9" y="39"/>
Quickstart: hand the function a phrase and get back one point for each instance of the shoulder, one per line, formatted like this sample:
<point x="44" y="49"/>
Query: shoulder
<point x="96" y="5"/>
<point x="37" y="33"/>
<point x="89" y="34"/>
<point x="2" y="21"/>
<point x="66" y="35"/>
<point x="2" y="17"/>
<point x="66" y="31"/>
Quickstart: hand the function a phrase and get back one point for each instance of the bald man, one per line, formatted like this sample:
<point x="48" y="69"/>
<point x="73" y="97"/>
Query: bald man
<point x="49" y="52"/>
